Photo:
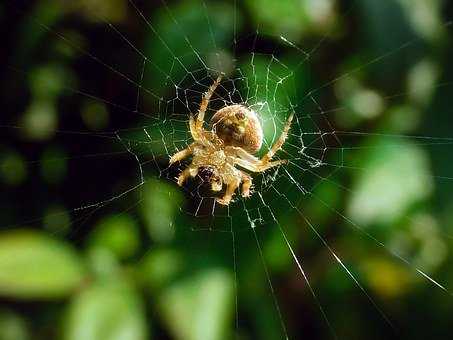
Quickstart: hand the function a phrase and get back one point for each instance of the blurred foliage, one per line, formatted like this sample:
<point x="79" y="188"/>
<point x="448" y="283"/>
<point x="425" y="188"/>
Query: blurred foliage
<point x="29" y="262"/>
<point x="138" y="266"/>
<point x="106" y="310"/>
<point x="396" y="176"/>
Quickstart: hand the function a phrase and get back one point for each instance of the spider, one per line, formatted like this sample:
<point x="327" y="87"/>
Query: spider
<point x="235" y="136"/>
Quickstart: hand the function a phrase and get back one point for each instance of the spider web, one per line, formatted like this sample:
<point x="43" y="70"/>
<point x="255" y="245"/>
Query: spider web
<point x="320" y="153"/>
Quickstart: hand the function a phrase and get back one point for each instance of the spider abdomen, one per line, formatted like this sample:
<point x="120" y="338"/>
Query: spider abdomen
<point x="238" y="126"/>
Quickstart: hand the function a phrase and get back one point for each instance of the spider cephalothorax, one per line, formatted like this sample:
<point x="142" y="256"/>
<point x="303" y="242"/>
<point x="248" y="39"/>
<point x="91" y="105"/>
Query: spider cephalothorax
<point x="236" y="134"/>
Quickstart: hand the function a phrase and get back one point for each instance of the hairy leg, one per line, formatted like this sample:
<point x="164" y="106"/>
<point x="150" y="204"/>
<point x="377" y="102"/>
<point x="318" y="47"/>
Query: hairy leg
<point x="251" y="163"/>
<point x="205" y="101"/>
<point x="230" y="189"/>
<point x="279" y="143"/>
<point x="190" y="171"/>
<point x="258" y="166"/>
<point x="268" y="165"/>
<point x="180" y="155"/>
<point x="216" y="184"/>
<point x="196" y="135"/>
<point x="246" y="184"/>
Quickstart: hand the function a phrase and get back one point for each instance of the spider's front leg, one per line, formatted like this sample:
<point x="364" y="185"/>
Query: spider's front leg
<point x="256" y="165"/>
<point x="180" y="155"/>
<point x="204" y="104"/>
<point x="263" y="167"/>
<point x="265" y="164"/>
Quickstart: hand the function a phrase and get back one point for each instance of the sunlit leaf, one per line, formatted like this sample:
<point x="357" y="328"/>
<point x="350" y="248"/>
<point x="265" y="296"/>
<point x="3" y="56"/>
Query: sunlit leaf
<point x="117" y="233"/>
<point x="289" y="18"/>
<point x="40" y="120"/>
<point x="421" y="82"/>
<point x="200" y="306"/>
<point x="396" y="175"/>
<point x="160" y="266"/>
<point x="207" y="31"/>
<point x="34" y="265"/>
<point x="106" y="311"/>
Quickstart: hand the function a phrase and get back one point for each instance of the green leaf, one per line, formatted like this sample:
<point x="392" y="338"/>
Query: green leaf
<point x="106" y="311"/>
<point x="160" y="206"/>
<point x="199" y="306"/>
<point x="284" y="17"/>
<point x="396" y="175"/>
<point x="12" y="326"/>
<point x="34" y="265"/>
<point x="273" y="95"/>
<point x="118" y="233"/>
<point x="172" y="54"/>
<point x="159" y="267"/>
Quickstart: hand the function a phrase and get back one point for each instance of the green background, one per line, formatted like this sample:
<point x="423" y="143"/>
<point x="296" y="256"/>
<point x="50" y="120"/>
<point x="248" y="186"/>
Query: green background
<point x="77" y="94"/>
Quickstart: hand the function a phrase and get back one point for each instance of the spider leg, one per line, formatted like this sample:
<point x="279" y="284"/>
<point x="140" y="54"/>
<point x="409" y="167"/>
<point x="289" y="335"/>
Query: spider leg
<point x="180" y="155"/>
<point x="257" y="166"/>
<point x="246" y="184"/>
<point x="216" y="184"/>
<point x="241" y="153"/>
<point x="190" y="171"/>
<point x="251" y="163"/>
<point x="268" y="165"/>
<point x="193" y="129"/>
<point x="278" y="144"/>
<point x="229" y="192"/>
<point x="204" y="103"/>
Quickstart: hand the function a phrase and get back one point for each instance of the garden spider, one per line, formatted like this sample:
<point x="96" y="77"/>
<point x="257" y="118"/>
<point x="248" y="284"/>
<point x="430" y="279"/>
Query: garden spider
<point x="236" y="135"/>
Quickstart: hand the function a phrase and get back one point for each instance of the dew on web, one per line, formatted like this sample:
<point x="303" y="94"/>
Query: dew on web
<point x="360" y="177"/>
